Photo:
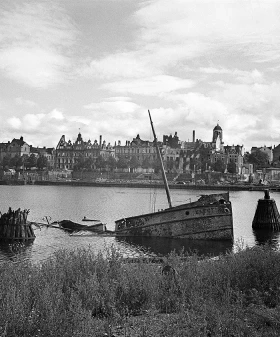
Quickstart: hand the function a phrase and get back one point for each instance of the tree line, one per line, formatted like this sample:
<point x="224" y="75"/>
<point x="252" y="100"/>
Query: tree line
<point x="24" y="162"/>
<point x="199" y="161"/>
<point x="112" y="163"/>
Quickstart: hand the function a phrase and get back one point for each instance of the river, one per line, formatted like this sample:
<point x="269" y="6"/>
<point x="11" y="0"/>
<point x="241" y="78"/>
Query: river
<point x="112" y="203"/>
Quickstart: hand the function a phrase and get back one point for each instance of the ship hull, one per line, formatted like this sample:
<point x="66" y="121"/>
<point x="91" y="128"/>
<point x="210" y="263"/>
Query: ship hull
<point x="209" y="219"/>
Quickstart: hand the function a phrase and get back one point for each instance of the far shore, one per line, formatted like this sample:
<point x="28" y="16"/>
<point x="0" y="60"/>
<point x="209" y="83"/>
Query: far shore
<point x="146" y="184"/>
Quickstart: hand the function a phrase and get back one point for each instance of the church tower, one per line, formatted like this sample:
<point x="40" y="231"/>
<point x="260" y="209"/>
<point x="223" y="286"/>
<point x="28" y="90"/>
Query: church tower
<point x="218" y="137"/>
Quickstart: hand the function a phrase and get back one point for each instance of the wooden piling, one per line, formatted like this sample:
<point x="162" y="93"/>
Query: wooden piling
<point x="266" y="215"/>
<point x="14" y="226"/>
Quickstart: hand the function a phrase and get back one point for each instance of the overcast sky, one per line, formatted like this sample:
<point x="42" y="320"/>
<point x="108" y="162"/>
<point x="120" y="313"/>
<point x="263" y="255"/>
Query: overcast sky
<point x="97" y="66"/>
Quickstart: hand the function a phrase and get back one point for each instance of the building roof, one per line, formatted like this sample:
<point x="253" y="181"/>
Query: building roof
<point x="19" y="142"/>
<point x="217" y="128"/>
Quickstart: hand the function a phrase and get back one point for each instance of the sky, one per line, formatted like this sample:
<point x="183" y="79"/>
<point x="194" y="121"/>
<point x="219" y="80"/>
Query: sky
<point x="97" y="66"/>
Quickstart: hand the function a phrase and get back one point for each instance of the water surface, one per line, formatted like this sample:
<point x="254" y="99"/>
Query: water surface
<point x="112" y="203"/>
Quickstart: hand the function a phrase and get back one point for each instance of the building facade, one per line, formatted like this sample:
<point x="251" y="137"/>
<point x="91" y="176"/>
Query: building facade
<point x="227" y="154"/>
<point x="68" y="154"/>
<point x="48" y="153"/>
<point x="17" y="147"/>
<point x="142" y="150"/>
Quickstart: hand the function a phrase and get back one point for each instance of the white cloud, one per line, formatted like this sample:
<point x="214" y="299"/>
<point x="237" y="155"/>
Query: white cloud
<point x="236" y="75"/>
<point x="56" y="114"/>
<point x="14" y="123"/>
<point x="114" y="106"/>
<point x="32" y="121"/>
<point x="193" y="62"/>
<point x="25" y="102"/>
<point x="79" y="119"/>
<point x="150" y="86"/>
<point x="185" y="22"/>
<point x="121" y="65"/>
<point x="46" y="129"/>
<point x="33" y="67"/>
<point x="34" y="40"/>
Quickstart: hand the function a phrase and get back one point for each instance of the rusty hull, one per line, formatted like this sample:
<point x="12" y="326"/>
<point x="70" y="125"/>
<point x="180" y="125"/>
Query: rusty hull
<point x="203" y="219"/>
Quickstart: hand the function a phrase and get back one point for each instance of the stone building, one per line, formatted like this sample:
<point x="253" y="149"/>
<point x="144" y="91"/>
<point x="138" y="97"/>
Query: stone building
<point x="3" y="150"/>
<point x="17" y="147"/>
<point x="49" y="153"/>
<point x="234" y="154"/>
<point x="276" y="155"/>
<point x="68" y="154"/>
<point x="143" y="150"/>
<point x="216" y="150"/>
<point x="106" y="150"/>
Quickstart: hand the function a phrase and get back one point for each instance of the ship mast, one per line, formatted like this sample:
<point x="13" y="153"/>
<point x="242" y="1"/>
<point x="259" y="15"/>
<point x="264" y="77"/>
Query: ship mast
<point x="161" y="163"/>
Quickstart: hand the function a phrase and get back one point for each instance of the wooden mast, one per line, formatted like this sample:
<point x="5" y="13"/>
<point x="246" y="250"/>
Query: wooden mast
<point x="161" y="163"/>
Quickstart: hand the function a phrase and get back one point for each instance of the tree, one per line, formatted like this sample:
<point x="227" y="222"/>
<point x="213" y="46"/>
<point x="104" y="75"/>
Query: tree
<point x="156" y="165"/>
<point x="219" y="166"/>
<point x="16" y="162"/>
<point x="146" y="163"/>
<point x="42" y="162"/>
<point x="134" y="162"/>
<point x="31" y="161"/>
<point x="259" y="159"/>
<point x="122" y="162"/>
<point x="100" y="162"/>
<point x="204" y="157"/>
<point x="88" y="164"/>
<point x="231" y="167"/>
<point x="111" y="163"/>
<point x="170" y="164"/>
<point x="6" y="162"/>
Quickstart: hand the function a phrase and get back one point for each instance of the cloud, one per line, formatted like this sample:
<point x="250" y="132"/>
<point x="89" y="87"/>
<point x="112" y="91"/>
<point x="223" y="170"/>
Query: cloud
<point x="25" y="102"/>
<point x="46" y="129"/>
<point x="254" y="76"/>
<point x="149" y="86"/>
<point x="210" y="23"/>
<point x="115" y="106"/>
<point x="35" y="37"/>
<point x="120" y="65"/>
<point x="33" y="67"/>
<point x="79" y="119"/>
<point x="14" y="123"/>
<point x="193" y="62"/>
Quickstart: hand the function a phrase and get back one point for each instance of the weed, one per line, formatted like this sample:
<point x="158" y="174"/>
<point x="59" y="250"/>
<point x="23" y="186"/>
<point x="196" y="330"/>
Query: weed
<point x="79" y="293"/>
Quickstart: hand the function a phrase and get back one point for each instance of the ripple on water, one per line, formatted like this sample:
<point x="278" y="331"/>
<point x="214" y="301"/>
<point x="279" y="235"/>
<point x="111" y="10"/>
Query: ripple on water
<point x="109" y="204"/>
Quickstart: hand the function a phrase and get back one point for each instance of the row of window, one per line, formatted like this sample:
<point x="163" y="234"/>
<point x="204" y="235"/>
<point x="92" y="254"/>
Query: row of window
<point x="133" y="150"/>
<point x="74" y="154"/>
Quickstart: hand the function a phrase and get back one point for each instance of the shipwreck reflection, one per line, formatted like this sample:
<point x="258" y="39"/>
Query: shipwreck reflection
<point x="164" y="246"/>
<point x="266" y="237"/>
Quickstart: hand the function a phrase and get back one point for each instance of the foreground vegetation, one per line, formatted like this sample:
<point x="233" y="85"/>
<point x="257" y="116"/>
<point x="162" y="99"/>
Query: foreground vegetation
<point x="81" y="294"/>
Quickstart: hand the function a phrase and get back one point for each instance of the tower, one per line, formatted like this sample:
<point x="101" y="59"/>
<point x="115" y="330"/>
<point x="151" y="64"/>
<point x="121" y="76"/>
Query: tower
<point x="218" y="137"/>
<point x="217" y="133"/>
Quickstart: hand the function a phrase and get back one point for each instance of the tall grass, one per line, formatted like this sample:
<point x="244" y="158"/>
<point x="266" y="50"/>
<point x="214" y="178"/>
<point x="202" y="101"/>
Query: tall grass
<point x="79" y="293"/>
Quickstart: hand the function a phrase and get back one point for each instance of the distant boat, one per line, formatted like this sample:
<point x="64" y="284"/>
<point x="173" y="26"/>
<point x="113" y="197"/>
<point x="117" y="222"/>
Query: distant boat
<point x="210" y="217"/>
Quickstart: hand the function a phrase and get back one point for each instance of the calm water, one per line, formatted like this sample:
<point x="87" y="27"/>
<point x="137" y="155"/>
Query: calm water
<point x="112" y="203"/>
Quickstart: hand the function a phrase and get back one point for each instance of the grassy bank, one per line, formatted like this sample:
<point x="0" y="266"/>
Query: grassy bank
<point x="81" y="294"/>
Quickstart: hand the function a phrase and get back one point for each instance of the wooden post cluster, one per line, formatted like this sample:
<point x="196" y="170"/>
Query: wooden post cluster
<point x="14" y="226"/>
<point x="266" y="215"/>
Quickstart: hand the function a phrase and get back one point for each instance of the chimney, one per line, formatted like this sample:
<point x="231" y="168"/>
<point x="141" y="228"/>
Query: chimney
<point x="193" y="136"/>
<point x="100" y="140"/>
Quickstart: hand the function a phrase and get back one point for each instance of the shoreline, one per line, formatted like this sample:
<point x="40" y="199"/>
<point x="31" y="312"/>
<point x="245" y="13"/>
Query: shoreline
<point x="144" y="185"/>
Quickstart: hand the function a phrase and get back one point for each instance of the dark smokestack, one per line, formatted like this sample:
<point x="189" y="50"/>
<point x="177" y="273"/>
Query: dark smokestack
<point x="100" y="140"/>
<point x="193" y="136"/>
